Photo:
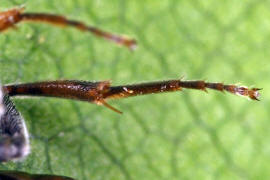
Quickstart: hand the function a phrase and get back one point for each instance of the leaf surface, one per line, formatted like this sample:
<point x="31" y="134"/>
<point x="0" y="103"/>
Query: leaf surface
<point x="182" y="135"/>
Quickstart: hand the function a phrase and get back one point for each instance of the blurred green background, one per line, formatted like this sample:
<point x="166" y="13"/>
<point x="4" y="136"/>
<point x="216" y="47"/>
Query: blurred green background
<point x="182" y="135"/>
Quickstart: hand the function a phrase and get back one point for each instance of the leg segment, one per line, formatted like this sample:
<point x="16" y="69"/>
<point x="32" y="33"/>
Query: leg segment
<point x="99" y="92"/>
<point x="10" y="18"/>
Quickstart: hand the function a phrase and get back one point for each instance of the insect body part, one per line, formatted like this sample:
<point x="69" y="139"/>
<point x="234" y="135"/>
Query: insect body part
<point x="70" y="89"/>
<point x="14" y="138"/>
<point x="99" y="92"/>
<point x="17" y="175"/>
<point x="10" y="18"/>
<point x="177" y="85"/>
<point x="2" y="108"/>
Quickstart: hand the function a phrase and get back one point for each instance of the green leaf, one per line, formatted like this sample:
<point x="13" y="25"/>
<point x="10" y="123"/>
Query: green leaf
<point x="182" y="135"/>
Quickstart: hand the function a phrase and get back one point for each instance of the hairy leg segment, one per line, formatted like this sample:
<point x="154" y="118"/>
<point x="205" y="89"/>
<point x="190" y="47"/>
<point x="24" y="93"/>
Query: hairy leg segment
<point x="100" y="91"/>
<point x="9" y="18"/>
